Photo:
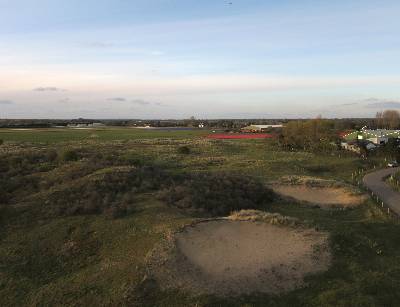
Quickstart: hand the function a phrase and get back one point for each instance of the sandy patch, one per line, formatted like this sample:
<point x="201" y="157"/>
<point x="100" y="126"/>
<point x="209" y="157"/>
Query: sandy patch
<point x="232" y="257"/>
<point x="325" y="197"/>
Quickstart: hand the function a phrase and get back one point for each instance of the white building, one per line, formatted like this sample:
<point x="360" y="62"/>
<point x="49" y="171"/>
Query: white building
<point x="378" y="137"/>
<point x="261" y="128"/>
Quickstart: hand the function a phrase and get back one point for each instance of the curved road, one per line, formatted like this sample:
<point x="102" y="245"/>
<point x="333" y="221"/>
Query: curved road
<point x="375" y="182"/>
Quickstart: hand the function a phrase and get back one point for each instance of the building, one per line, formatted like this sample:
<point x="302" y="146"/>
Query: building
<point x="261" y="128"/>
<point x="355" y="146"/>
<point x="351" y="146"/>
<point x="85" y="125"/>
<point x="378" y="137"/>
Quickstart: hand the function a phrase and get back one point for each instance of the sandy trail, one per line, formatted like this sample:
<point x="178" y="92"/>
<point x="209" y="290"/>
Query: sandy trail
<point x="237" y="257"/>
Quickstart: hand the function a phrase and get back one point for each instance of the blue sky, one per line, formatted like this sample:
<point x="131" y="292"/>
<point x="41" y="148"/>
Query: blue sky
<point x="210" y="59"/>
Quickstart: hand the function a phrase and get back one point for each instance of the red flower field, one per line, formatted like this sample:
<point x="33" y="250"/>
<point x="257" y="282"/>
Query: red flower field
<point x="224" y="136"/>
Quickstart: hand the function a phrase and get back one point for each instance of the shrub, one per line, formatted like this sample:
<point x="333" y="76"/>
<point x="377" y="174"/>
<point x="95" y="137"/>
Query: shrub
<point x="1" y="142"/>
<point x="115" y="212"/>
<point x="51" y="155"/>
<point x="184" y="150"/>
<point x="218" y="194"/>
<point x="317" y="169"/>
<point x="69" y="155"/>
<point x="111" y="193"/>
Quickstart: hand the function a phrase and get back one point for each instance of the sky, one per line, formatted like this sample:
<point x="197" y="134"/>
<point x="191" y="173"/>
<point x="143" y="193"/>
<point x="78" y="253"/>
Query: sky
<point x="204" y="58"/>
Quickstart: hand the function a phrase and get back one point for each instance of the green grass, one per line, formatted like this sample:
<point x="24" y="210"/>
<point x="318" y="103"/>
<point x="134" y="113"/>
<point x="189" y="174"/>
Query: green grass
<point x="93" y="260"/>
<point x="101" y="134"/>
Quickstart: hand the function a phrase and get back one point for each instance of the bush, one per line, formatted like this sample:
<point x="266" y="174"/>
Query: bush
<point x="51" y="155"/>
<point x="115" y="212"/>
<point x="184" y="150"/>
<point x="317" y="169"/>
<point x="218" y="194"/>
<point x="110" y="193"/>
<point x="1" y="142"/>
<point x="69" y="155"/>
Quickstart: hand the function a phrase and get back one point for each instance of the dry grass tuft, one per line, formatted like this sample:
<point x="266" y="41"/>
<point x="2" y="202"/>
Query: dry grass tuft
<point x="260" y="216"/>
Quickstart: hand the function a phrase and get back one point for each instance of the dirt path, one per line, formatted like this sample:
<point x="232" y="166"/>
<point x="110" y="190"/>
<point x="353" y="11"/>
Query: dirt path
<point x="375" y="182"/>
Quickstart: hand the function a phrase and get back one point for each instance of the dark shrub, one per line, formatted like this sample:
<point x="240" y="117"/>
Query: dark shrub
<point x="112" y="193"/>
<point x="115" y="212"/>
<point x="218" y="194"/>
<point x="184" y="150"/>
<point x="51" y="155"/>
<point x="69" y="155"/>
<point x="318" y="169"/>
<point x="1" y="142"/>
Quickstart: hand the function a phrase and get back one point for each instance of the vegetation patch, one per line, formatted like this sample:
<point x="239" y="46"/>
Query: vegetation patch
<point x="218" y="194"/>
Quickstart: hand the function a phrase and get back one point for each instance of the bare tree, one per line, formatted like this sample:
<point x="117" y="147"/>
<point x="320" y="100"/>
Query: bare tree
<point x="391" y="119"/>
<point x="379" y="120"/>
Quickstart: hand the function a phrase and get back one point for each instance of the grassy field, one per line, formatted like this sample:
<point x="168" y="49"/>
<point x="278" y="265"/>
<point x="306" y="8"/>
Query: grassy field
<point x="91" y="259"/>
<point x="101" y="134"/>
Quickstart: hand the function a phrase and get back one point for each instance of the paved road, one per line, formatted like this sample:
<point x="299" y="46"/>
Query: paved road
<point x="375" y="182"/>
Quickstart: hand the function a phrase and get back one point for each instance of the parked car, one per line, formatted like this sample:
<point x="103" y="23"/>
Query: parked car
<point x="393" y="164"/>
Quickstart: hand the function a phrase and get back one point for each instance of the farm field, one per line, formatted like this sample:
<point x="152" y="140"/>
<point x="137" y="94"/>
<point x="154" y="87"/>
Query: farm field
<point x="81" y="217"/>
<point x="55" y="135"/>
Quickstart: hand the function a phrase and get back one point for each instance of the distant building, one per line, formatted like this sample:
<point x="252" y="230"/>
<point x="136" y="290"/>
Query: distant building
<point x="355" y="146"/>
<point x="378" y="137"/>
<point x="98" y="125"/>
<point x="85" y="125"/>
<point x="351" y="146"/>
<point x="261" y="128"/>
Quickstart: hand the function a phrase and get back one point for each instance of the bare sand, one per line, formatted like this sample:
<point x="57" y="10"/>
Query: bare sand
<point x="226" y="257"/>
<point x="325" y="197"/>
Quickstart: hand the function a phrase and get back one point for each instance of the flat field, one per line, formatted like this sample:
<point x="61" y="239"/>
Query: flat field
<point x="60" y="244"/>
<point x="55" y="135"/>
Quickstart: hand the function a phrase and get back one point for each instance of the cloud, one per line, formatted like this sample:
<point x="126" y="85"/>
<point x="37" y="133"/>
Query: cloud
<point x="375" y="103"/>
<point x="140" y="102"/>
<point x="119" y="99"/>
<point x="47" y="89"/>
<point x="6" y="102"/>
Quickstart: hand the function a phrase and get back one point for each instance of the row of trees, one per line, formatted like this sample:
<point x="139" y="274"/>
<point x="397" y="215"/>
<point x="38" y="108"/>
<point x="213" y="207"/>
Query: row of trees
<point x="316" y="135"/>
<point x="389" y="119"/>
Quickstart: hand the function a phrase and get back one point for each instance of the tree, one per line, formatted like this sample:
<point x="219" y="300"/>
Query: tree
<point x="389" y="119"/>
<point x="379" y="120"/>
<point x="316" y="134"/>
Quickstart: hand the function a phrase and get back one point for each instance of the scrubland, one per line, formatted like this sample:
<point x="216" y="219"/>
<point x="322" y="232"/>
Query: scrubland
<point x="80" y="217"/>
